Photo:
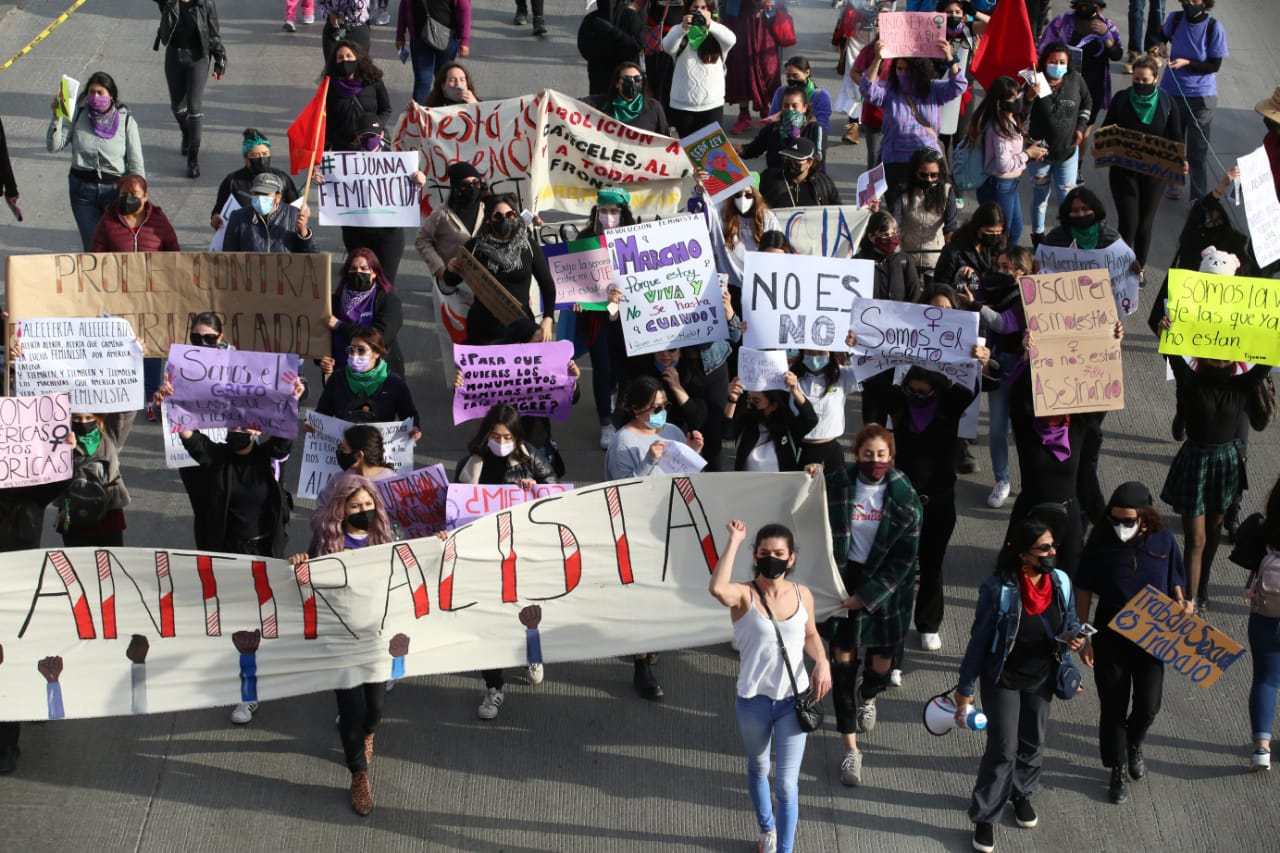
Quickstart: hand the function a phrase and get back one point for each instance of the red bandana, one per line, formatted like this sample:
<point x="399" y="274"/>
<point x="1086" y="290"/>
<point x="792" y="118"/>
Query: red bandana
<point x="1035" y="597"/>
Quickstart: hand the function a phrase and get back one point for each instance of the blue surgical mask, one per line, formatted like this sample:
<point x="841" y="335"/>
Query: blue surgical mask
<point x="657" y="420"/>
<point x="264" y="204"/>
<point x="1055" y="71"/>
<point x="815" y="362"/>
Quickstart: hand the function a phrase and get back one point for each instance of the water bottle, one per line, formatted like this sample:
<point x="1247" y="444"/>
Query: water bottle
<point x="975" y="720"/>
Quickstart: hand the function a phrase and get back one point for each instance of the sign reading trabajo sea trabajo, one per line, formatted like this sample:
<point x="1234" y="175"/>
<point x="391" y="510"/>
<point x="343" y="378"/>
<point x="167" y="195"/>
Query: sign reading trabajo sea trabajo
<point x="1189" y="644"/>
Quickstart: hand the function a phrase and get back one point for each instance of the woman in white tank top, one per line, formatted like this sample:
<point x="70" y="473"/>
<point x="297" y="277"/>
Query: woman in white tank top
<point x="766" y="706"/>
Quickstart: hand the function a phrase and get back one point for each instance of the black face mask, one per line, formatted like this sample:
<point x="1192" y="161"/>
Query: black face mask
<point x="259" y="165"/>
<point x="360" y="520"/>
<point x="1011" y="106"/>
<point x="1086" y="12"/>
<point x="629" y="87"/>
<point x="83" y="428"/>
<point x="345" y="459"/>
<point x="1144" y="89"/>
<point x="771" y="567"/>
<point x="130" y="204"/>
<point x="991" y="241"/>
<point x="346" y="68"/>
<point x="793" y="168"/>
<point x="1082" y="222"/>
<point x="466" y="194"/>
<point x="996" y="280"/>
<point x="238" y="441"/>
<point x="955" y="22"/>
<point x="915" y="398"/>
<point x="1047" y="562"/>
<point x="1192" y="11"/>
<point x="360" y="281"/>
<point x="505" y="228"/>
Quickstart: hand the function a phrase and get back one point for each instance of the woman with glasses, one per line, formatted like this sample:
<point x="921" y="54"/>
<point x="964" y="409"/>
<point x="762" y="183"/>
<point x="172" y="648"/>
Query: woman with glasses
<point x="365" y="297"/>
<point x="365" y="390"/>
<point x="926" y="211"/>
<point x="626" y="101"/>
<point x="256" y="149"/>
<point x="1128" y="551"/>
<point x="504" y="248"/>
<point x="1026" y="614"/>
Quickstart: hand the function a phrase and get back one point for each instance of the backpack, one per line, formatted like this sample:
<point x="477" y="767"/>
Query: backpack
<point x="968" y="171"/>
<point x="1006" y="592"/>
<point x="85" y="501"/>
<point x="1264" y="592"/>
<point x="1261" y="405"/>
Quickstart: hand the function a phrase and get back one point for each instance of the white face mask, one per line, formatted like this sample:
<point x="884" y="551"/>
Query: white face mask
<point x="608" y="218"/>
<point x="501" y="449"/>
<point x="1124" y="534"/>
<point x="743" y="203"/>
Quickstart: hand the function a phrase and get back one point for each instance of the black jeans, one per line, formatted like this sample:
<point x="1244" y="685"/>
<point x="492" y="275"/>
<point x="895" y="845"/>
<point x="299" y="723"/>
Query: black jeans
<point x="9" y="734"/>
<point x="716" y="394"/>
<point x="1137" y="198"/>
<point x="386" y="243"/>
<point x="74" y="538"/>
<point x="1122" y="670"/>
<point x="187" y="77"/>
<point x="1088" y="488"/>
<point x="684" y="122"/>
<point x="935" y="534"/>
<point x="1010" y="766"/>
<point x="522" y="7"/>
<point x="359" y="711"/>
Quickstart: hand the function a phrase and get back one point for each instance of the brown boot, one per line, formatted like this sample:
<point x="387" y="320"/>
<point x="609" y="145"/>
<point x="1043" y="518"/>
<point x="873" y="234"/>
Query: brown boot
<point x="852" y="133"/>
<point x="361" y="793"/>
<point x="368" y="748"/>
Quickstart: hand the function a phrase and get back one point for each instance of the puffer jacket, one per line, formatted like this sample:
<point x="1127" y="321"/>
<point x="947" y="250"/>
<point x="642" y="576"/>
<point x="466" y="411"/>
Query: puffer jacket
<point x="154" y="233"/>
<point x="207" y="27"/>
<point x="249" y="232"/>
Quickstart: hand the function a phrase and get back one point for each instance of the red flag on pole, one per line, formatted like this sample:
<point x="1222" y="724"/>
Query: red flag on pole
<point x="1007" y="45"/>
<point x="306" y="134"/>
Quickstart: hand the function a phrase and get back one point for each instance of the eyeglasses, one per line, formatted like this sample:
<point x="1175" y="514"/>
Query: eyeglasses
<point x="929" y="176"/>
<point x="359" y="350"/>
<point x="637" y="77"/>
<point x="510" y="214"/>
<point x="1124" y="522"/>
<point x="204" y="340"/>
<point x="1044" y="549"/>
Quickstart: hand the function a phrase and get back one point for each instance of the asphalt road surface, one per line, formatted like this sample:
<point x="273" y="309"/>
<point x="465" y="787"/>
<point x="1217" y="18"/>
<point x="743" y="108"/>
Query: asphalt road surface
<point x="580" y="763"/>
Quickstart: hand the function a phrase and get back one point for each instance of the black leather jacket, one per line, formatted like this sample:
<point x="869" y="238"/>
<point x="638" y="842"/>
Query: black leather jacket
<point x="206" y="25"/>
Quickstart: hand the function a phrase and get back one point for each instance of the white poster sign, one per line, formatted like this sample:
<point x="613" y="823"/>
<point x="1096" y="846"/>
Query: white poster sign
<point x="369" y="189"/>
<point x="319" y="462"/>
<point x="1117" y="259"/>
<point x="175" y="454"/>
<point x="95" y="360"/>
<point x="801" y="301"/>
<point x="889" y="334"/>
<point x="1261" y="208"/>
<point x="763" y="370"/>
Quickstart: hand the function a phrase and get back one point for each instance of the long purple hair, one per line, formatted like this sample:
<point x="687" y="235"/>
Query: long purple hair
<point x="326" y="522"/>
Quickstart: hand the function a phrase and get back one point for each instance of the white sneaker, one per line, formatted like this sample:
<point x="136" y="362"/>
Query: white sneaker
<point x="535" y="673"/>
<point x="607" y="432"/>
<point x="243" y="713"/>
<point x="382" y="19"/>
<point x="999" y="494"/>
<point x="308" y="20"/>
<point x="767" y="842"/>
<point x="895" y="678"/>
<point x="1261" y="760"/>
<point x="930" y="642"/>
<point x="490" y="704"/>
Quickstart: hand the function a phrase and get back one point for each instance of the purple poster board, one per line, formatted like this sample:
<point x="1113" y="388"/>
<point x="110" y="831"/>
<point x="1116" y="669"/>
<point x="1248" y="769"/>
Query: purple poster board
<point x="532" y="377"/>
<point x="235" y="389"/>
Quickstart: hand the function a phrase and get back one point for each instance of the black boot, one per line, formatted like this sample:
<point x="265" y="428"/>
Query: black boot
<point x="539" y="25"/>
<point x="646" y="683"/>
<point x="9" y="758"/>
<point x="193" y="145"/>
<point x="1137" y="766"/>
<point x="1118" y="792"/>
<point x="186" y="134"/>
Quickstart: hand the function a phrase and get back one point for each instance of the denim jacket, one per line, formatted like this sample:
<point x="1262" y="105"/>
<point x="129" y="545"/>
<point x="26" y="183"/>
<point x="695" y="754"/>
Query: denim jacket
<point x="995" y="629"/>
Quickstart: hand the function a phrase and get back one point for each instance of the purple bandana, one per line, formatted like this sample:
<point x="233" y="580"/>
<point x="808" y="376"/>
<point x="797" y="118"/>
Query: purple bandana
<point x="350" y="88"/>
<point x="922" y="416"/>
<point x="1055" y="438"/>
<point x="105" y="124"/>
<point x="357" y="306"/>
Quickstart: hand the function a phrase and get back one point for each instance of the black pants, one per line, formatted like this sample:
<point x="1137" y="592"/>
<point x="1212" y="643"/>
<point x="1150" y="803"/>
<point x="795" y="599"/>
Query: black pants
<point x="492" y="678"/>
<point x="332" y="35"/>
<point x="1036" y="10"/>
<point x="1088" y="488"/>
<point x="897" y="176"/>
<point x="9" y="734"/>
<point x="1011" y="763"/>
<point x="386" y="243"/>
<point x="187" y="77"/>
<point x="846" y="693"/>
<point x="684" y="123"/>
<point x="830" y="455"/>
<point x="1122" y="670"/>
<point x="74" y="538"/>
<point x="1137" y="199"/>
<point x="522" y="7"/>
<point x="876" y="391"/>
<point x="716" y="394"/>
<point x="359" y="710"/>
<point x="935" y="534"/>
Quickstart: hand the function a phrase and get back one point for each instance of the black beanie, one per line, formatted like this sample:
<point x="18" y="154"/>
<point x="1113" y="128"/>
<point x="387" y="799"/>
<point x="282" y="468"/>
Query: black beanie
<point x="1132" y="495"/>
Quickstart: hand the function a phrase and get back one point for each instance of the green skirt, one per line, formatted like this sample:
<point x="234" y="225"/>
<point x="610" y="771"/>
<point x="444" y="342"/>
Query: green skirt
<point x="1203" y="479"/>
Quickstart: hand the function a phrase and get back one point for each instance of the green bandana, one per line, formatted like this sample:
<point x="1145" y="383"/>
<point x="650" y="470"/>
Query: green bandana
<point x="367" y="384"/>
<point x="696" y="36"/>
<point x="624" y="110"/>
<point x="89" y="443"/>
<point x="809" y="89"/>
<point x="1144" y="105"/>
<point x="1087" y="238"/>
<point x="613" y="195"/>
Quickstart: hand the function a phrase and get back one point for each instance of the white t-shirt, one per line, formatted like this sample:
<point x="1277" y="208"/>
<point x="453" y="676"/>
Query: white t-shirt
<point x="828" y="402"/>
<point x="868" y="509"/>
<point x="764" y="456"/>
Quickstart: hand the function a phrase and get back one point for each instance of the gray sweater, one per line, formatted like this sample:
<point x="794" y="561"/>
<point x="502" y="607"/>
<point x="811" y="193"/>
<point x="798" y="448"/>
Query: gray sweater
<point x="628" y="455"/>
<point x="115" y="157"/>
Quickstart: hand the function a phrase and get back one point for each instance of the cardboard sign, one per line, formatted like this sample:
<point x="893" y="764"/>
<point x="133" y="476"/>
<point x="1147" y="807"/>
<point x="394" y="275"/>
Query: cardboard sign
<point x="233" y="388"/>
<point x="711" y="151"/>
<point x="801" y="302"/>
<point x="320" y="448"/>
<point x="1261" y="207"/>
<point x="415" y="500"/>
<point x="505" y="307"/>
<point x="532" y="377"/>
<point x="97" y="361"/>
<point x="33" y="447"/>
<point x="369" y="189"/>
<point x="548" y="149"/>
<point x="871" y="185"/>
<point x="1188" y="644"/>
<point x="831" y="232"/>
<point x="1143" y="153"/>
<point x="671" y="294"/>
<point x="606" y="570"/>
<point x="1219" y="316"/>
<point x="467" y="502"/>
<point x="175" y="452"/>
<point x="1075" y="360"/>
<point x="581" y="270"/>
<point x="1117" y="259"/>
<point x="912" y="34"/>
<point x="268" y="302"/>
<point x="763" y="370"/>
<point x="893" y="334"/>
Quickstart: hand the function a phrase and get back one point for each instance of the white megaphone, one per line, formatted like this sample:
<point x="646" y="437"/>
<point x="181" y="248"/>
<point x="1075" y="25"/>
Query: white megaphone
<point x="940" y="716"/>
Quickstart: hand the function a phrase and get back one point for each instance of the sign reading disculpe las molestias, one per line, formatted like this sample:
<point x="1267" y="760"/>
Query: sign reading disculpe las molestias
<point x="607" y="570"/>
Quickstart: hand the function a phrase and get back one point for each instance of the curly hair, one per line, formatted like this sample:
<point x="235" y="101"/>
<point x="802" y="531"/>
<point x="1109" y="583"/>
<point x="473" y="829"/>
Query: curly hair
<point x="326" y="523"/>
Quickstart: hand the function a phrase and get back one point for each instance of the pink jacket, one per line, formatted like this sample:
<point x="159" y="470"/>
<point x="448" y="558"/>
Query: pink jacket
<point x="1003" y="156"/>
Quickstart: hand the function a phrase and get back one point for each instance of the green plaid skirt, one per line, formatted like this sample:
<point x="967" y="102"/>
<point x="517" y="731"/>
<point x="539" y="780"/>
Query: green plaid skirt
<point x="1204" y="478"/>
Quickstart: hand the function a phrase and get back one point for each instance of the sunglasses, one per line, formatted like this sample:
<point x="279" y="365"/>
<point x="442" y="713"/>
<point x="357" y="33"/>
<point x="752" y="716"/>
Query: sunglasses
<point x="637" y="77"/>
<point x="928" y="176"/>
<point x="1124" y="522"/>
<point x="1044" y="549"/>
<point x="510" y="214"/>
<point x="204" y="340"/>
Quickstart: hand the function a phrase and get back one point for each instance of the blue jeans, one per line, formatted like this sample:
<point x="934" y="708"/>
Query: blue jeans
<point x="426" y="59"/>
<point x="1197" y="110"/>
<point x="1004" y="192"/>
<point x="1264" y="647"/>
<point x="1144" y="29"/>
<point x="762" y="720"/>
<point x="998" y="415"/>
<point x="1047" y="178"/>
<point x="88" y="202"/>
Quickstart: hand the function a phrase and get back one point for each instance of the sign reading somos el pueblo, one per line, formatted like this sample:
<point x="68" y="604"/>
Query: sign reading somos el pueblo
<point x="671" y="293"/>
<point x="1189" y="644"/>
<point x="95" y="360"/>
<point x="801" y="302"/>
<point x="33" y="447"/>
<point x="233" y="388"/>
<point x="890" y="334"/>
<point x="606" y="570"/>
<point x="1075" y="359"/>
<point x="369" y="189"/>
<point x="268" y="302"/>
<point x="532" y="377"/>
<point x="1226" y="317"/>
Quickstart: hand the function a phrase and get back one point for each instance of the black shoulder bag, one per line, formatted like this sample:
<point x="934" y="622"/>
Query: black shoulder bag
<point x="808" y="709"/>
